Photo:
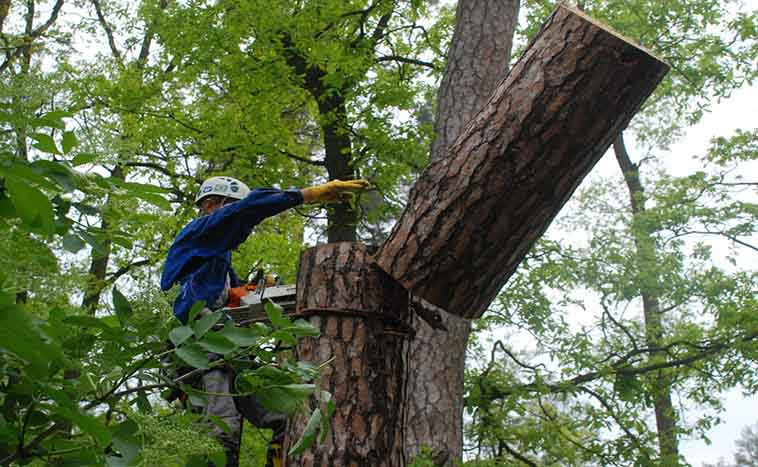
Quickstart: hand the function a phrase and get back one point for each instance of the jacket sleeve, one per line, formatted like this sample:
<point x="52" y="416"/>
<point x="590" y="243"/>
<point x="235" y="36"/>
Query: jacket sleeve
<point x="223" y="231"/>
<point x="228" y="227"/>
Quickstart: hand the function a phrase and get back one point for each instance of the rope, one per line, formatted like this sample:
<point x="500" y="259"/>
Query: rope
<point x="402" y="329"/>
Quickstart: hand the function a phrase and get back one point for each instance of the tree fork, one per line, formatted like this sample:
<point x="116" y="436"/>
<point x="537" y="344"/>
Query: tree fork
<point x="363" y="315"/>
<point x="473" y="215"/>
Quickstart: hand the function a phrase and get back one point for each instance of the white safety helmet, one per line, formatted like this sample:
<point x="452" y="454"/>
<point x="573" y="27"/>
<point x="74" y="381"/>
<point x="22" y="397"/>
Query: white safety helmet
<point x="227" y="187"/>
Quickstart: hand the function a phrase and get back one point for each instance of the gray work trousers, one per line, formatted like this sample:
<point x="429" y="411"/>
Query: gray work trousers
<point x="220" y="381"/>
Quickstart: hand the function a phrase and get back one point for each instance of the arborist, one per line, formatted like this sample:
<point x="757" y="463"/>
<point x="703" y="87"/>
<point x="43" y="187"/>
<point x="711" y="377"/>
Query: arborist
<point x="200" y="260"/>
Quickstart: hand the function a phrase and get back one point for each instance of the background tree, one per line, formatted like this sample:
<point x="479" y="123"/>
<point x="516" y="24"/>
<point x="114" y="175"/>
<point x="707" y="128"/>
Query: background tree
<point x="746" y="454"/>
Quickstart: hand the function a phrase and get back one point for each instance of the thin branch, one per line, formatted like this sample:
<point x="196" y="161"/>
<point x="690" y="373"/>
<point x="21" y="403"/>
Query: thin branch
<point x="516" y="454"/>
<point x="53" y="17"/>
<point x="302" y="159"/>
<point x="411" y="61"/>
<point x="621" y="367"/>
<point x="612" y="413"/>
<point x="125" y="269"/>
<point x="107" y="28"/>
<point x="513" y="357"/>
<point x="725" y="235"/>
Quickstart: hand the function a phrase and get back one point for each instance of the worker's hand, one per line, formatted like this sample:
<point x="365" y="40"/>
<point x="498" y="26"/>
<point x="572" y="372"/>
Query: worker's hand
<point x="333" y="191"/>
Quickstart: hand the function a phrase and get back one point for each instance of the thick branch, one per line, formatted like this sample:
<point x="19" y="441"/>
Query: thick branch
<point x="474" y="214"/>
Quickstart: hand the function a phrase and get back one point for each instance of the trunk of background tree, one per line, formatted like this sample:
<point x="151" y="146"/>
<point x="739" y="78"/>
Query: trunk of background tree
<point x="338" y="158"/>
<point x="473" y="215"/>
<point x="665" y="415"/>
<point x="477" y="62"/>
<point x="363" y="315"/>
<point x="99" y="263"/>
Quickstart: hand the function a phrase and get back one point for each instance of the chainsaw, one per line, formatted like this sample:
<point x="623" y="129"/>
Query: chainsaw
<point x="247" y="303"/>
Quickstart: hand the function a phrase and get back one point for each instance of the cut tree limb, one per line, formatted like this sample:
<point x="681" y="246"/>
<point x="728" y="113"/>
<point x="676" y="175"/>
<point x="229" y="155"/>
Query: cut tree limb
<point x="472" y="216"/>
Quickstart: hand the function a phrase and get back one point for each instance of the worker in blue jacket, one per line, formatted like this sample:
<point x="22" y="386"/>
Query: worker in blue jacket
<point x="200" y="260"/>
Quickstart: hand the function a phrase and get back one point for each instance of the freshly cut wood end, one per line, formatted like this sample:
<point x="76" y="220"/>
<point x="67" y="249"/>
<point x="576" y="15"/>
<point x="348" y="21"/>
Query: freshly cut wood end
<point x="567" y="6"/>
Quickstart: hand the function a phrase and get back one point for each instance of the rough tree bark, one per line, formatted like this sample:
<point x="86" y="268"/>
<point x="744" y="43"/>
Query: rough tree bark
<point x="472" y="216"/>
<point x="363" y="316"/>
<point x="650" y="289"/>
<point x="477" y="61"/>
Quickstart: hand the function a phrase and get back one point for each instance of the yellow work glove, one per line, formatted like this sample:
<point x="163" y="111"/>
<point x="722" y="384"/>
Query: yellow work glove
<point x="333" y="191"/>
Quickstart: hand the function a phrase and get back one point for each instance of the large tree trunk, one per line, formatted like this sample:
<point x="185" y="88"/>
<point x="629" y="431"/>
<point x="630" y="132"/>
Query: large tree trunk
<point x="472" y="216"/>
<point x="363" y="315"/>
<point x="477" y="61"/>
<point x="650" y="289"/>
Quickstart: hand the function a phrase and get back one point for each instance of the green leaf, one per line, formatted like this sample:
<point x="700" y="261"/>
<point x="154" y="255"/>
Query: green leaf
<point x="87" y="423"/>
<point x="331" y="407"/>
<point x="276" y="314"/>
<point x="196" y="398"/>
<point x="98" y="248"/>
<point x="240" y="336"/>
<point x="216" y="343"/>
<point x="83" y="158"/>
<point x="180" y="334"/>
<point x="26" y="172"/>
<point x="52" y="119"/>
<point x="32" y="205"/>
<point x="193" y="355"/>
<point x="69" y="141"/>
<point x="198" y="461"/>
<point x="126" y="442"/>
<point x="217" y="458"/>
<point x="285" y="399"/>
<point x="45" y="143"/>
<point x="20" y="336"/>
<point x="143" y="404"/>
<point x="627" y="387"/>
<point x="219" y="422"/>
<point x="7" y="209"/>
<point x="73" y="243"/>
<point x="156" y="200"/>
<point x="7" y="432"/>
<point x="86" y="209"/>
<point x="206" y="322"/>
<point x="88" y="322"/>
<point x="302" y="328"/>
<point x="197" y="307"/>
<point x="309" y="435"/>
<point x="285" y="337"/>
<point x="122" y="306"/>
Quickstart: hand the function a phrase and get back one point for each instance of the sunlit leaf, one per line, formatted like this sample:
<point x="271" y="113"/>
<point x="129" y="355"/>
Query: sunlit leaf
<point x="69" y="141"/>
<point x="180" y="334"/>
<point x="45" y="143"/>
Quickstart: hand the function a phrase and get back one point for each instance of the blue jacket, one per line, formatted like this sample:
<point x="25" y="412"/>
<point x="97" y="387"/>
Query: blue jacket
<point x="200" y="257"/>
